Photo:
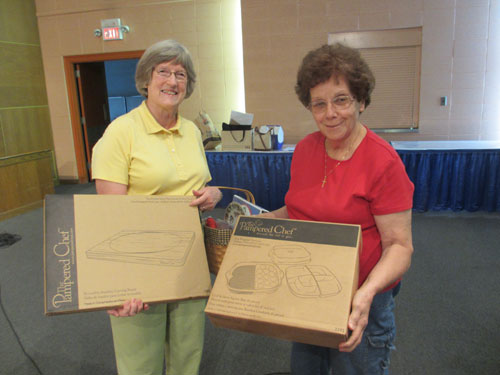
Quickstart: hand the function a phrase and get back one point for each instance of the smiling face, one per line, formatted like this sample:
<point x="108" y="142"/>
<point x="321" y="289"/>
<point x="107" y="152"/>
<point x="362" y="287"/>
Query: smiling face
<point x="336" y="125"/>
<point x="165" y="94"/>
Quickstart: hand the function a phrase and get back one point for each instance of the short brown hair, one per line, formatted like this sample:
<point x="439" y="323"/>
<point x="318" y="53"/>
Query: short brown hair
<point x="339" y="61"/>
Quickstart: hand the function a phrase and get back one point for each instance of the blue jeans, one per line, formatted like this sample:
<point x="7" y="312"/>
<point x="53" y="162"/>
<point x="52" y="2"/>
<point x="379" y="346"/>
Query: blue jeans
<point x="371" y="356"/>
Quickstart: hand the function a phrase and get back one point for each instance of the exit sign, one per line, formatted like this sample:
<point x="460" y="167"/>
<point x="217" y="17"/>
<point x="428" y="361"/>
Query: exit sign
<point x="112" y="29"/>
<point x="112" y="33"/>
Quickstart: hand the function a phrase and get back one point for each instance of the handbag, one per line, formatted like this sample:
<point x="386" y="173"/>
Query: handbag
<point x="268" y="137"/>
<point x="209" y="133"/>
<point x="237" y="137"/>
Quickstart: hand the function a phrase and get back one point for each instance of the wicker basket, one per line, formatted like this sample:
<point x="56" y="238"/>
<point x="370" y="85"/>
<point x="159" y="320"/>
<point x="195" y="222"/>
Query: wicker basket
<point x="217" y="239"/>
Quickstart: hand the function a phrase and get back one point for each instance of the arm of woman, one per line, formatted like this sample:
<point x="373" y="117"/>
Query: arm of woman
<point x="133" y="306"/>
<point x="397" y="249"/>
<point x="206" y="198"/>
<point x="280" y="213"/>
<point x="109" y="187"/>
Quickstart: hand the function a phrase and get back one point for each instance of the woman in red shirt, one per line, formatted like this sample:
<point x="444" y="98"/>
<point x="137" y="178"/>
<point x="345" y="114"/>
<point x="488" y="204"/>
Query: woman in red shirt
<point x="345" y="173"/>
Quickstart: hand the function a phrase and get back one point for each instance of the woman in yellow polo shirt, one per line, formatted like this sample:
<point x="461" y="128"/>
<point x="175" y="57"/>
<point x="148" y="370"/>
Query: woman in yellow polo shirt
<point x="152" y="150"/>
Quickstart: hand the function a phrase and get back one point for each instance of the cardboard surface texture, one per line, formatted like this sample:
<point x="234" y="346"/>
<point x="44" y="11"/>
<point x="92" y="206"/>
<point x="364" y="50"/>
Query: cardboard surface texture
<point x="101" y="250"/>
<point x="288" y="279"/>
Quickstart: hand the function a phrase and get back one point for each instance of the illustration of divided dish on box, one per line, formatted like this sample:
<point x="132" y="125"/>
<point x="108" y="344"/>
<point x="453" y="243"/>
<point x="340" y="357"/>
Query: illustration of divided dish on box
<point x="288" y="279"/>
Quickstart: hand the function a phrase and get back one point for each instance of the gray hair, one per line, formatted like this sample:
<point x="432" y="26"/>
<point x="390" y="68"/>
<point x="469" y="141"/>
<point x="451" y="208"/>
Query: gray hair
<point x="160" y="52"/>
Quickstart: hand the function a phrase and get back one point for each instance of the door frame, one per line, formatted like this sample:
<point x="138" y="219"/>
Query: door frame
<point x="74" y="105"/>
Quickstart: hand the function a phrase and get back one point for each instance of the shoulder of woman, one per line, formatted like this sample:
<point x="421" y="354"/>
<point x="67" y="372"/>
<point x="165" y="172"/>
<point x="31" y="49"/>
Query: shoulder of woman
<point x="187" y="123"/>
<point x="120" y="125"/>
<point x="189" y="126"/>
<point x="311" y="140"/>
<point x="380" y="146"/>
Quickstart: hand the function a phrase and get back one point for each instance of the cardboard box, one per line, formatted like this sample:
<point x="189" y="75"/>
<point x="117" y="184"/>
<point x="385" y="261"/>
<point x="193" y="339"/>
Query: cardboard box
<point x="288" y="279"/>
<point x="101" y="250"/>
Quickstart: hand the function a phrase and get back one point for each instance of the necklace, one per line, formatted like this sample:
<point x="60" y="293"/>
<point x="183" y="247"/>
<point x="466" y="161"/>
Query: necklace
<point x="336" y="165"/>
<point x="350" y="147"/>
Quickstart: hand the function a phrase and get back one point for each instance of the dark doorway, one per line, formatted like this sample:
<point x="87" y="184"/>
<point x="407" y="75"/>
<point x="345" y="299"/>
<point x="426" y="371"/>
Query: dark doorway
<point x="89" y="99"/>
<point x="93" y="100"/>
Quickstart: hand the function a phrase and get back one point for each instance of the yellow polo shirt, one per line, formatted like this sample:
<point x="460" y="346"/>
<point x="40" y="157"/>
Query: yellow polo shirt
<point x="138" y="152"/>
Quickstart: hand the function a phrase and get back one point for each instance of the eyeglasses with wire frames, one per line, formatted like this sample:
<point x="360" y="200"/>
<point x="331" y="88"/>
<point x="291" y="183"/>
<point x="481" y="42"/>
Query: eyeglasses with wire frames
<point x="339" y="103"/>
<point x="180" y="76"/>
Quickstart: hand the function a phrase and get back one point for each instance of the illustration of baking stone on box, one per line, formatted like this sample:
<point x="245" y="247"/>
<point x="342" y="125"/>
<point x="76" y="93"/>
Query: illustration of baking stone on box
<point x="102" y="250"/>
<point x="164" y="248"/>
<point x="290" y="266"/>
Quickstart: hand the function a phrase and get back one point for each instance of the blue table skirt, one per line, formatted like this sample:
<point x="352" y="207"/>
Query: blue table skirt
<point x="454" y="179"/>
<point x="444" y="179"/>
<point x="266" y="175"/>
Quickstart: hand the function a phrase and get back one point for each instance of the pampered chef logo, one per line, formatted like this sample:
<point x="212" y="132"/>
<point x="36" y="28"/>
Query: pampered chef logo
<point x="62" y="251"/>
<point x="267" y="228"/>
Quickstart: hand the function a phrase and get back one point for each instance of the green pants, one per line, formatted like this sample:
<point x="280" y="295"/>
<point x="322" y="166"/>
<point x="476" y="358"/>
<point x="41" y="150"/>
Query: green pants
<point x="172" y="332"/>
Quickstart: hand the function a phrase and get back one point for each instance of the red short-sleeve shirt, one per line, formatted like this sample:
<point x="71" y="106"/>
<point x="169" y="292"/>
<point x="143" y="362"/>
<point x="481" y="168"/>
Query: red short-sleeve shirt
<point x="372" y="182"/>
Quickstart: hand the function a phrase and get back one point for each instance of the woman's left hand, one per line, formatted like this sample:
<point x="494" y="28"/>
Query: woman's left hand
<point x="395" y="235"/>
<point x="206" y="198"/>
<point x="358" y="320"/>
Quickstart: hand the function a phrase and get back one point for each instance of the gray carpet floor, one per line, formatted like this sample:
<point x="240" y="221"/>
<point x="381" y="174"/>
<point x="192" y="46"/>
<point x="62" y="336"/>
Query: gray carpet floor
<point x="448" y="310"/>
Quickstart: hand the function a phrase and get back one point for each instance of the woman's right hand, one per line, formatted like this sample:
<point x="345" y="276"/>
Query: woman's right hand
<point x="129" y="308"/>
